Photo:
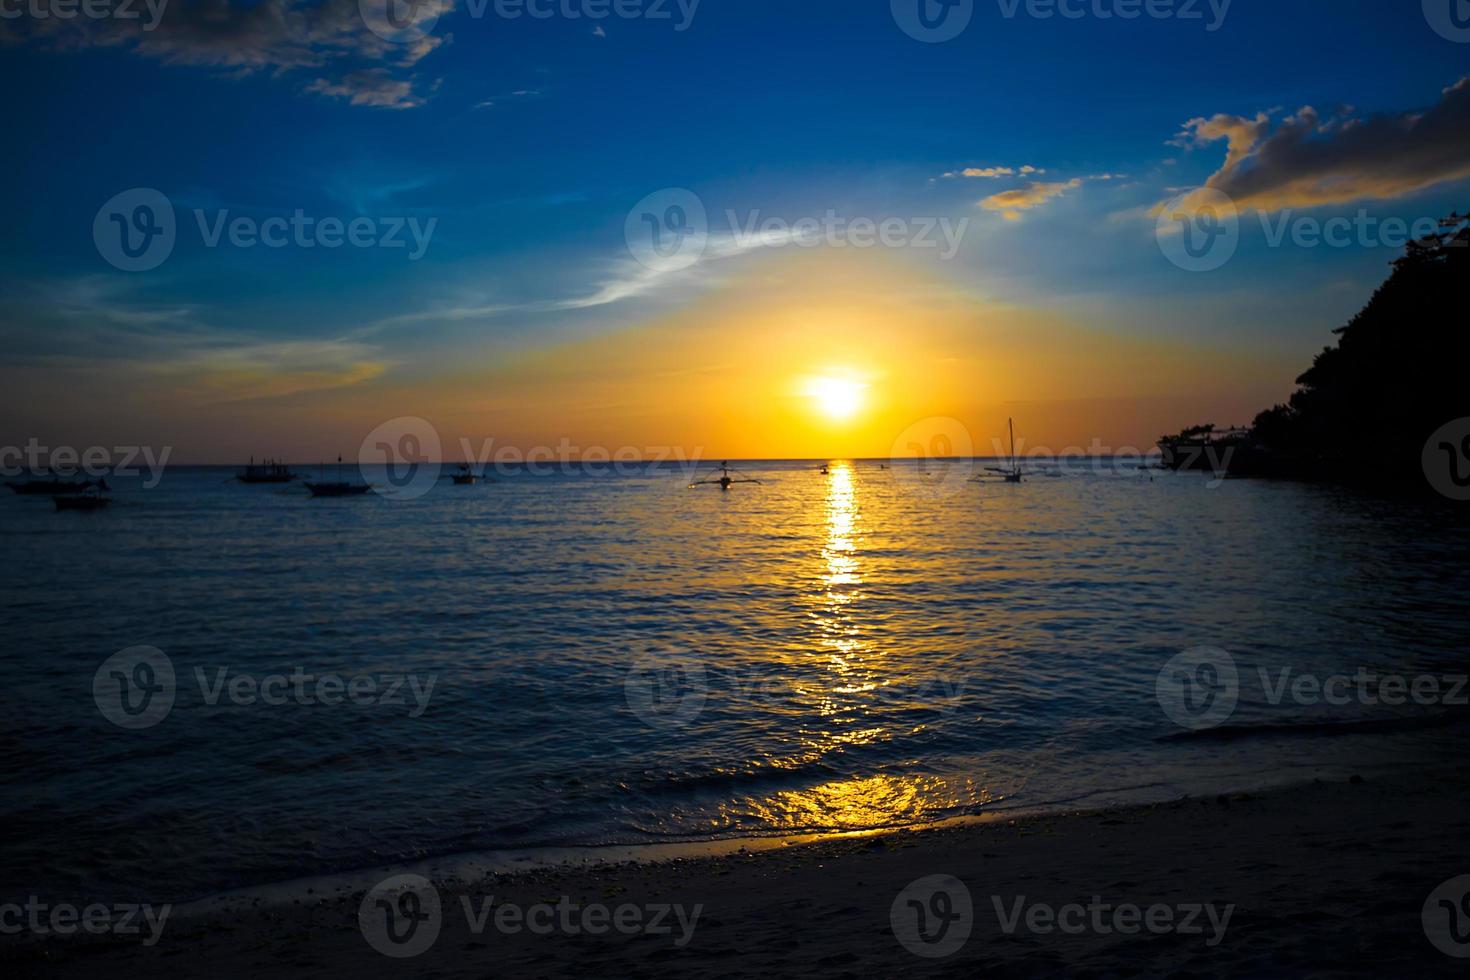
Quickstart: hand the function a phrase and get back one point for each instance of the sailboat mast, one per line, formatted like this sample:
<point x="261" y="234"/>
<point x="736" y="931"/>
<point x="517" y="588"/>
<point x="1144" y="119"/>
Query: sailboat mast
<point x="1012" y="424"/>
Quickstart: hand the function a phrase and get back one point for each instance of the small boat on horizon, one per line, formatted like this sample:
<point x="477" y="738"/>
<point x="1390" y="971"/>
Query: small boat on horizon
<point x="267" y="471"/>
<point x="89" y="499"/>
<point x="336" y="488"/>
<point x="465" y="476"/>
<point x="724" y="481"/>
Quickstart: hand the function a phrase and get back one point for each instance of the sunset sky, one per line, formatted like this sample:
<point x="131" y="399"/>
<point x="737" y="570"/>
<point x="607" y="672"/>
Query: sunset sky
<point x="1052" y="143"/>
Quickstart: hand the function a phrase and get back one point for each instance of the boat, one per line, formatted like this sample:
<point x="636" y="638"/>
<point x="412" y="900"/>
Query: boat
<point x="825" y="471"/>
<point x="267" y="471"/>
<point x="724" y="481"/>
<point x="1012" y="473"/>
<point x="89" y="499"/>
<point x="467" y="477"/>
<point x="336" y="488"/>
<point x="54" y="488"/>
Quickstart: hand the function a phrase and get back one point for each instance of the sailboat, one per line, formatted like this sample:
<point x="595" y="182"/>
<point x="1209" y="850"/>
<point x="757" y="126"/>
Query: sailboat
<point x="724" y="481"/>
<point x="1011" y="474"/>
<point x="339" y="488"/>
<point x="267" y="471"/>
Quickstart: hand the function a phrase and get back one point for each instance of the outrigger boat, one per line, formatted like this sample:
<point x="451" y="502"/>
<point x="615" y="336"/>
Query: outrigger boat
<point x="338" y="488"/>
<point x="89" y="499"/>
<point x="268" y="471"/>
<point x="724" y="481"/>
<point x="55" y="488"/>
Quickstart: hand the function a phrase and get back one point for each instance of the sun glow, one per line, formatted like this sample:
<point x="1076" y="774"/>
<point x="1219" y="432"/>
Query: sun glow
<point x="836" y="398"/>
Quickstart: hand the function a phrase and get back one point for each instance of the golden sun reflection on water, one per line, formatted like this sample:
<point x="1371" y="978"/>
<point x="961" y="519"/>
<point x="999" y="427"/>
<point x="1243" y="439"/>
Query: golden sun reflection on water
<point x="873" y="801"/>
<point x="856" y="696"/>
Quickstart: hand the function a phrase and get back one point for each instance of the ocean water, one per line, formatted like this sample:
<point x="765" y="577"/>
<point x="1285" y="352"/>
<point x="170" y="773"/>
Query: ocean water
<point x="617" y="658"/>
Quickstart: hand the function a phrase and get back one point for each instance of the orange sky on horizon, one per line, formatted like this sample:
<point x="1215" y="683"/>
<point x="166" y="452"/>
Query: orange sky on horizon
<point x="729" y="376"/>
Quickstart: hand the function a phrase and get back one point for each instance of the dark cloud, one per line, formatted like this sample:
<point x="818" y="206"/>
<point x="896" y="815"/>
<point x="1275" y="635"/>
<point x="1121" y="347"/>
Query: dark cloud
<point x="328" y="38"/>
<point x="1308" y="160"/>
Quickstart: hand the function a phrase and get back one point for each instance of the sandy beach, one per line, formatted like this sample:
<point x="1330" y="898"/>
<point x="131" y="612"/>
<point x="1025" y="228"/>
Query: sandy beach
<point x="1323" y="879"/>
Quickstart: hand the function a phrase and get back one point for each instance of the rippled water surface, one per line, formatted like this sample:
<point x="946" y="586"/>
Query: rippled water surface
<point x="618" y="658"/>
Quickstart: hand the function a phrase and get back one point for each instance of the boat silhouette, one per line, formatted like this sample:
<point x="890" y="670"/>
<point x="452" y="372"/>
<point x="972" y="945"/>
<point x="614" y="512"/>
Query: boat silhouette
<point x="724" y="481"/>
<point x="88" y="499"/>
<point x="267" y="471"/>
<point x="336" y="488"/>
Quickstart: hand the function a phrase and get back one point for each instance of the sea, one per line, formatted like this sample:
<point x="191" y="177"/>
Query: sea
<point x="213" y="686"/>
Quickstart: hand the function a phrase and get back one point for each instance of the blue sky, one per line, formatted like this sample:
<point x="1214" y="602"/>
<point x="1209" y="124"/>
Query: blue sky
<point x="528" y="141"/>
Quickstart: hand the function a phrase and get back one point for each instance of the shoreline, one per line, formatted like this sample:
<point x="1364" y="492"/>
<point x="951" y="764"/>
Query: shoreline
<point x="1296" y="865"/>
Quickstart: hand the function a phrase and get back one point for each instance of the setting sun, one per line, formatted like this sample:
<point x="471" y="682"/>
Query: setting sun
<point x="836" y="398"/>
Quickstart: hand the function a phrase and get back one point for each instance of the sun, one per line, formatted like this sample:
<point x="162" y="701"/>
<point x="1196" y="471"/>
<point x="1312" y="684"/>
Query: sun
<point x="836" y="398"/>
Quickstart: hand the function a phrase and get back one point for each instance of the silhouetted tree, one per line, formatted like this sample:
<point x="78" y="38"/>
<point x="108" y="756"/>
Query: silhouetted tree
<point x="1398" y="372"/>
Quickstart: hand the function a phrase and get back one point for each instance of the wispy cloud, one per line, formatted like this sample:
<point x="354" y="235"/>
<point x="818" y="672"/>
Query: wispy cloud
<point x="109" y="326"/>
<point x="370" y="87"/>
<point x="625" y="279"/>
<point x="995" y="172"/>
<point x="517" y="96"/>
<point x="1035" y="194"/>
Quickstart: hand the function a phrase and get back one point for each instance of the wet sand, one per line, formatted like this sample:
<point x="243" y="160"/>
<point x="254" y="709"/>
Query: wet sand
<point x="1324" y="879"/>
